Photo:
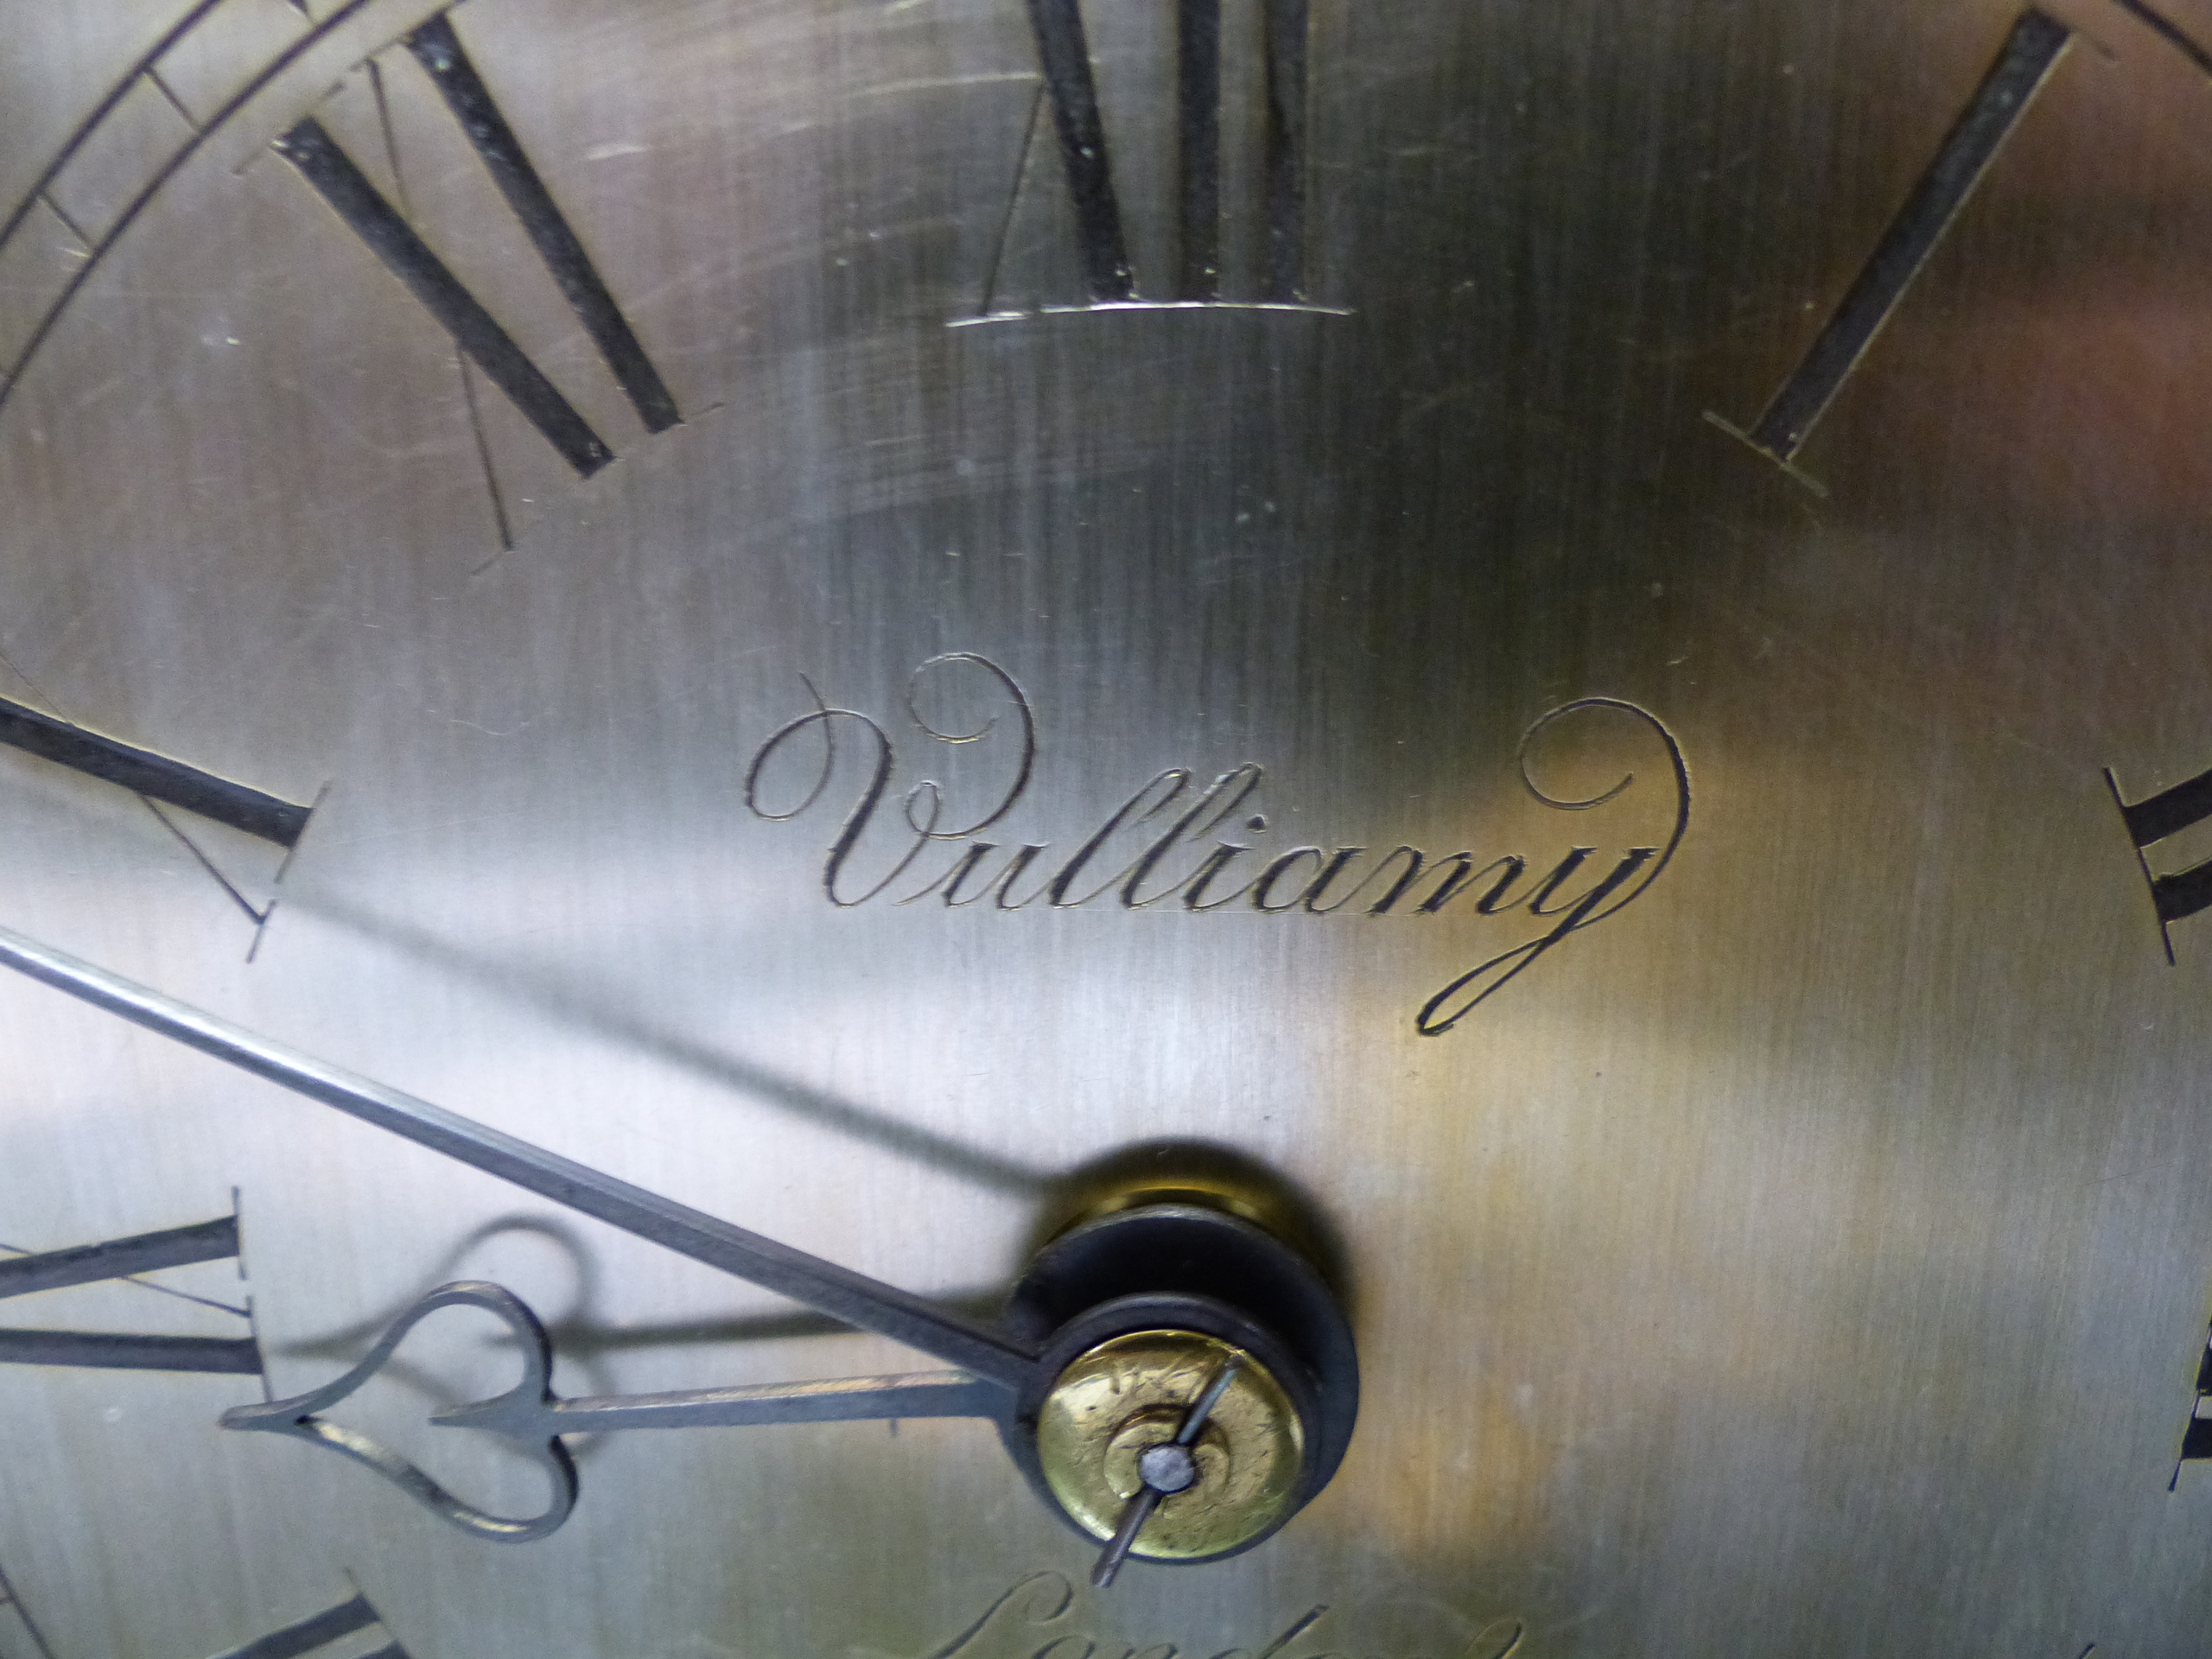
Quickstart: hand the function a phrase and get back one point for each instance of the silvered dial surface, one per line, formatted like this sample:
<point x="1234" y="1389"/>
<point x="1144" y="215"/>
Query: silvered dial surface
<point x="990" y="657"/>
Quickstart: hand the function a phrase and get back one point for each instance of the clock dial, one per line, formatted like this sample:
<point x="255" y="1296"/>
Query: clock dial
<point x="1555" y="650"/>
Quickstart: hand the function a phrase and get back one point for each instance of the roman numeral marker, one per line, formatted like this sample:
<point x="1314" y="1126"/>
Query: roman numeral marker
<point x="340" y="183"/>
<point x="1070" y="90"/>
<point x="318" y="1630"/>
<point x="2151" y="820"/>
<point x="264" y="817"/>
<point x="1289" y="25"/>
<point x="1064" y="55"/>
<point x="126" y="1258"/>
<point x="2031" y="52"/>
<point x="311" y="150"/>
<point x="438" y="49"/>
<point x="2196" y="1438"/>
<point x="14" y="1616"/>
<point x="1197" y="91"/>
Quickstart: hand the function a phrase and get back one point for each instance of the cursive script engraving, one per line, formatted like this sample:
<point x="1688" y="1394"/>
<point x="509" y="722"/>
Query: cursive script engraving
<point x="1032" y="1621"/>
<point x="1172" y="843"/>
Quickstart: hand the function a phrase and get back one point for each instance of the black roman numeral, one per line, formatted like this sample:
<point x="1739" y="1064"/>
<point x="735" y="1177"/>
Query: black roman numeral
<point x="19" y="1632"/>
<point x="127" y="1258"/>
<point x="2150" y="821"/>
<point x="1071" y="90"/>
<point x="2031" y="52"/>
<point x="310" y="147"/>
<point x="279" y="823"/>
<point x="155" y="778"/>
<point x="2196" y="1438"/>
<point x="1064" y="55"/>
<point x="320" y="1631"/>
<point x="2166" y="30"/>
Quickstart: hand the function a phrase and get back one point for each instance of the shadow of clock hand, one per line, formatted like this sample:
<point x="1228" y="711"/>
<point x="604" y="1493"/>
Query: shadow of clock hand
<point x="299" y="1417"/>
<point x="591" y="1011"/>
<point x="346" y="1342"/>
<point x="579" y="1337"/>
<point x="534" y="1420"/>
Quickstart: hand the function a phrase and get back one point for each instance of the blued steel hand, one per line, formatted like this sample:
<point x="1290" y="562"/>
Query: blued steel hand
<point x="534" y="1417"/>
<point x="1163" y="1470"/>
<point x="988" y="1355"/>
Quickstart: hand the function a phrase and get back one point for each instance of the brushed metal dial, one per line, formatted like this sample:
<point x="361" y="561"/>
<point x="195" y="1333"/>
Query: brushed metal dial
<point x="1572" y="634"/>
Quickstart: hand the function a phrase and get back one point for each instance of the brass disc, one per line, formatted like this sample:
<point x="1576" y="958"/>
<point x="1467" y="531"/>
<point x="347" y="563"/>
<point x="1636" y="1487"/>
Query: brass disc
<point x="1129" y="1394"/>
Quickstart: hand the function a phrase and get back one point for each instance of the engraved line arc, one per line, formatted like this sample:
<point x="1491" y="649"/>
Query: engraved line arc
<point x="101" y="110"/>
<point x="262" y="816"/>
<point x="1064" y="55"/>
<point x="438" y="49"/>
<point x="160" y="175"/>
<point x="2031" y="52"/>
<point x="310" y="147"/>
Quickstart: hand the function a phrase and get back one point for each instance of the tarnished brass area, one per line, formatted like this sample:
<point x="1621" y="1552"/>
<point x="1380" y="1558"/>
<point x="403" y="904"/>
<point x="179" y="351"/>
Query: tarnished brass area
<point x="1124" y="1396"/>
<point x="1208" y="1176"/>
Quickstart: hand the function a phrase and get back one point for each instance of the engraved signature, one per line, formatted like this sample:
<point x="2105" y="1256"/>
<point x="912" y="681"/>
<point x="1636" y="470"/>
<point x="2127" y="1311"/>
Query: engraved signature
<point x="1030" y="1621"/>
<point x="1152" y="850"/>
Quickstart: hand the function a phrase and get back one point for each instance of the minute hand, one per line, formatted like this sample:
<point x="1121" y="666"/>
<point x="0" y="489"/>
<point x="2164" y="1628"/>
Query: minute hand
<point x="854" y="1298"/>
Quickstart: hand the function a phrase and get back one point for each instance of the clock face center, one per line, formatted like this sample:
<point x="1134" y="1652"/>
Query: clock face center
<point x="1167" y="1468"/>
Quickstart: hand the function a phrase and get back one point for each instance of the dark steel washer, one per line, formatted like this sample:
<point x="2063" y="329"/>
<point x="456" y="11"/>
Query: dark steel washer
<point x="1185" y="1267"/>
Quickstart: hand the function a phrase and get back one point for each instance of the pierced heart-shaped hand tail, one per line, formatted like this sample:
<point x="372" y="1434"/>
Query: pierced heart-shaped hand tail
<point x="527" y="1402"/>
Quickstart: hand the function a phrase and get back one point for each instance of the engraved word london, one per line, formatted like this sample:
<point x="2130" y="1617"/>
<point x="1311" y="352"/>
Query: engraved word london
<point x="1161" y="848"/>
<point x="1032" y="1621"/>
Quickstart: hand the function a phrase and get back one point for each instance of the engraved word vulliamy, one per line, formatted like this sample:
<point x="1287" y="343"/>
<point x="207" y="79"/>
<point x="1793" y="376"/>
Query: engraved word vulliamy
<point x="1153" y="851"/>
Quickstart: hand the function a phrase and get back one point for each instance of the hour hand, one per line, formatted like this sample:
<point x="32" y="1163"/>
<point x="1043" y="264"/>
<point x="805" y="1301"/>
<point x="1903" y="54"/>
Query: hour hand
<point x="532" y="1416"/>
